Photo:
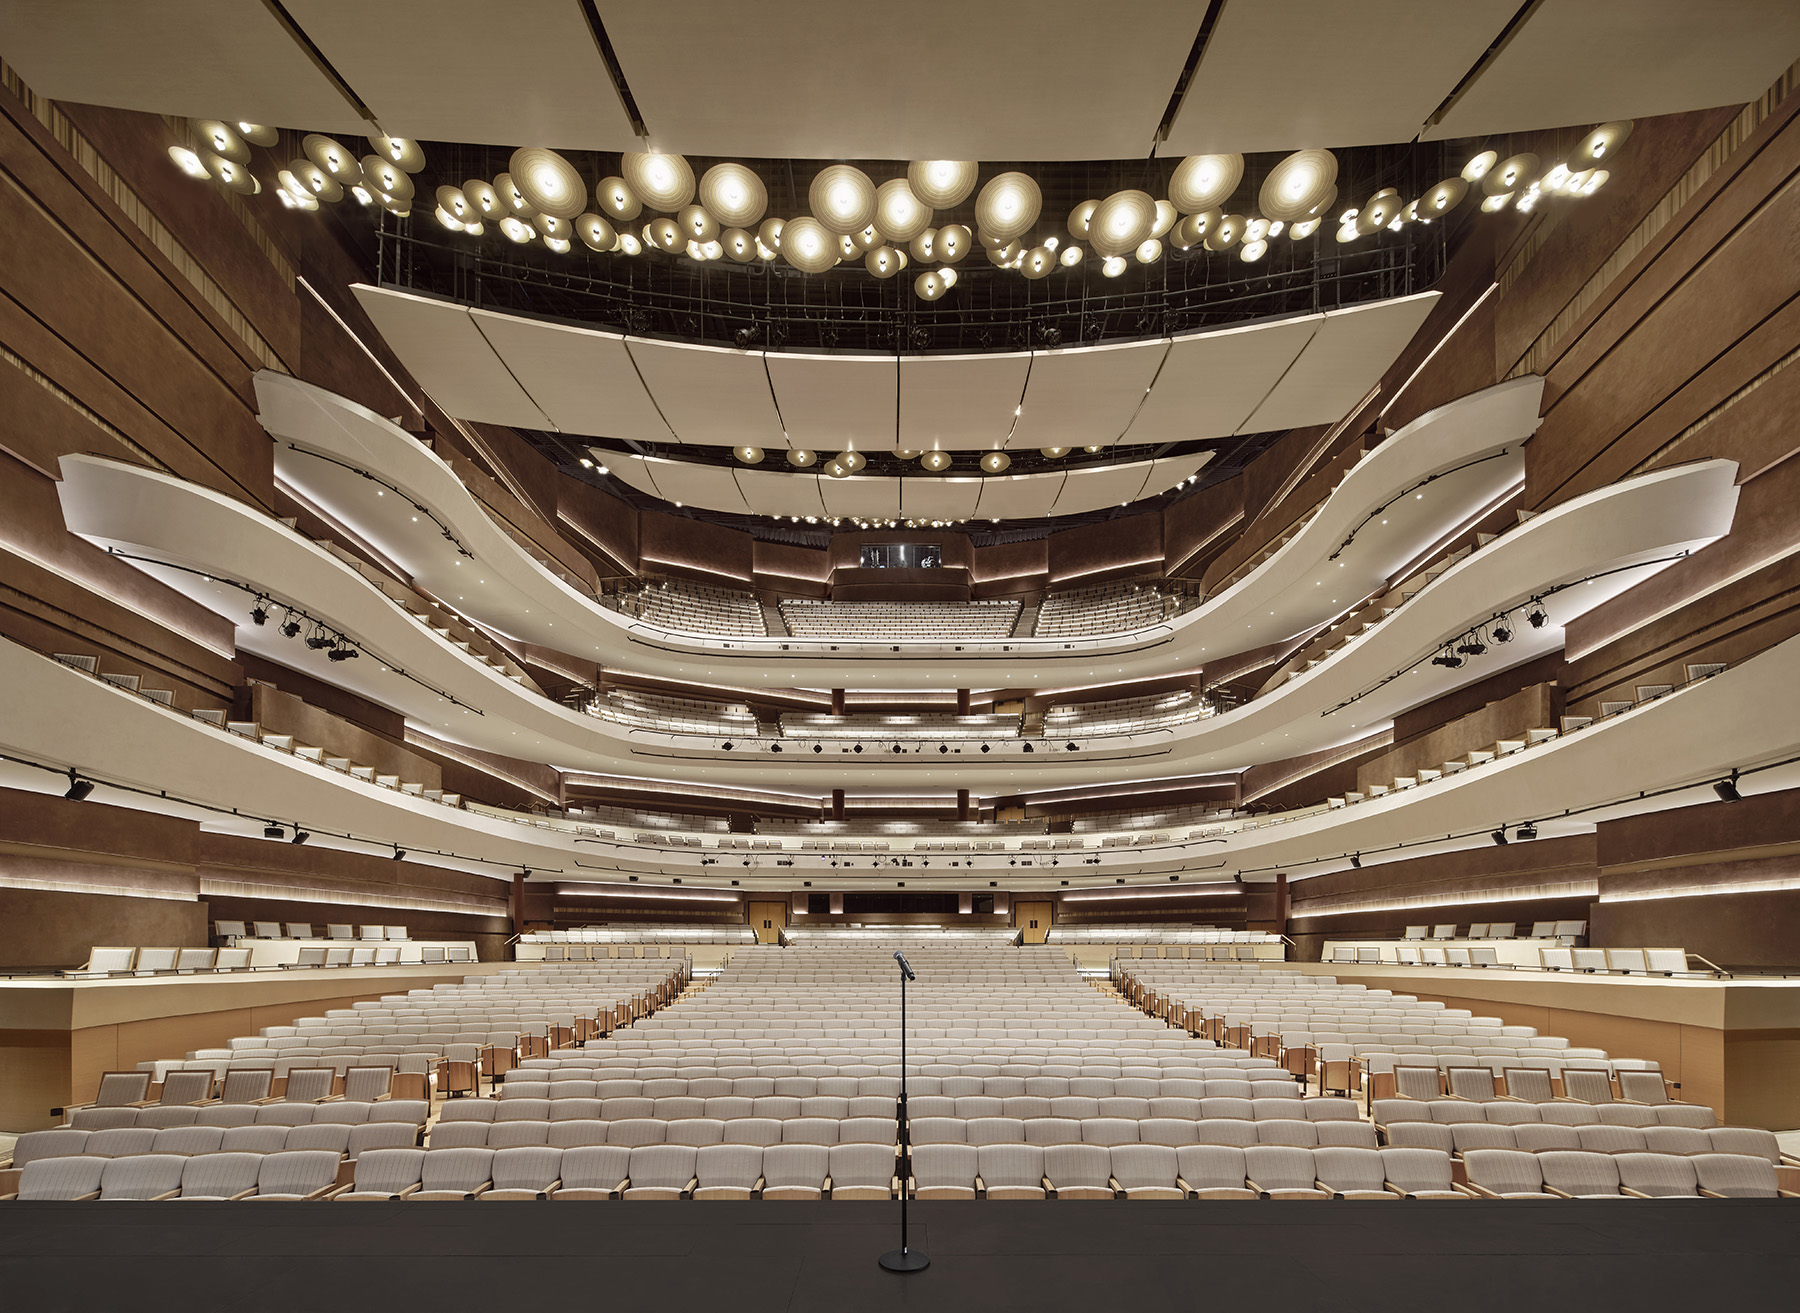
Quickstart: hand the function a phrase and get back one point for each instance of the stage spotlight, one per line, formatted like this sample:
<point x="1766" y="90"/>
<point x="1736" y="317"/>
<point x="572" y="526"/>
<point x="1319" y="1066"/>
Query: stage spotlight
<point x="1537" y="617"/>
<point x="78" y="788"/>
<point x="1527" y="832"/>
<point x="1472" y="646"/>
<point x="1071" y="747"/>
<point x="273" y="831"/>
<point x="1499" y="837"/>
<point x="300" y="836"/>
<point x="290" y="627"/>
<point x="1727" y="789"/>
<point x="1503" y="632"/>
<point x="857" y="748"/>
<point x="400" y="853"/>
<point x="259" y="613"/>
<point x="986" y="747"/>
<point x="1356" y="861"/>
<point x="726" y="745"/>
<point x="1029" y="748"/>
<point x="318" y="639"/>
<point x="774" y="747"/>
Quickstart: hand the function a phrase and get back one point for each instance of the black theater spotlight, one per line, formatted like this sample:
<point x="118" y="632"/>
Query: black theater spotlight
<point x="1727" y="789"/>
<point x="318" y="639"/>
<point x="1527" y="832"/>
<point x="818" y="747"/>
<point x="259" y="614"/>
<point x="300" y="835"/>
<point x="399" y="852"/>
<point x="1356" y="861"/>
<point x="78" y="787"/>
<point x="726" y="745"/>
<point x="1471" y="646"/>
<point x="1499" y="837"/>
<point x="1537" y="617"/>
<point x="1503" y="632"/>
<point x="290" y="627"/>
<point x="273" y="831"/>
<point x="857" y="748"/>
<point x="342" y="651"/>
<point x="774" y="747"/>
<point x="1072" y="747"/>
<point x="986" y="747"/>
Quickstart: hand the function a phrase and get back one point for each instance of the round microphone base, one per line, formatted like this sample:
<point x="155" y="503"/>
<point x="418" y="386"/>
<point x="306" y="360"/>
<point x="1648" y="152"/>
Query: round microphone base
<point x="905" y="1260"/>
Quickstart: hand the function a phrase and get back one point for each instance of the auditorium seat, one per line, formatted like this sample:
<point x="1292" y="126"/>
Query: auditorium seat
<point x="727" y="1171"/>
<point x="795" y="1171"/>
<point x="293" y="1176"/>
<point x="1146" y="1171"/>
<point x="1213" y="1171"/>
<point x="861" y="1170"/>
<point x="218" y="1176"/>
<point x="1505" y="1174"/>
<point x="146" y="1176"/>
<point x="386" y="1174"/>
<point x="598" y="1171"/>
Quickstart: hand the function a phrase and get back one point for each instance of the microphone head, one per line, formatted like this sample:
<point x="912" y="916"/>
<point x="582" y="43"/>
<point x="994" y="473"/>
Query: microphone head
<point x="905" y="966"/>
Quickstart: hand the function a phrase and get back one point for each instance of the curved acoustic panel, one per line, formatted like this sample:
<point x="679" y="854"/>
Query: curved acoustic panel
<point x="63" y="718"/>
<point x="1275" y="374"/>
<point x="1618" y="535"/>
<point x="1462" y="458"/>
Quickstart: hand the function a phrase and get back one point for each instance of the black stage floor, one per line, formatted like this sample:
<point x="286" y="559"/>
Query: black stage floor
<point x="756" y="1256"/>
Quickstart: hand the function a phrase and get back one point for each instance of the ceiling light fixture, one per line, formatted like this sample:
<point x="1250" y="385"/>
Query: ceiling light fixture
<point x="1202" y="182"/>
<point x="1008" y="205"/>
<point x="1297" y="185"/>
<point x="1727" y="789"/>
<point x="735" y="194"/>
<point x="808" y="245"/>
<point x="663" y="182"/>
<point x="79" y="788"/>
<point x="942" y="183"/>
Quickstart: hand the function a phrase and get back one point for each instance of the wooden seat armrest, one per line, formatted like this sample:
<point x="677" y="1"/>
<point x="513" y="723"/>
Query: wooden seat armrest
<point x="483" y="1188"/>
<point x="1787" y="1194"/>
<point x="1560" y="1194"/>
<point x="166" y="1194"/>
<point x="408" y="1191"/>
<point x="1480" y="1191"/>
<point x="241" y="1194"/>
<point x="268" y="1098"/>
<point x="1462" y="1189"/>
<point x="11" y="1196"/>
<point x="1113" y="1184"/>
<point x="687" y="1191"/>
<point x="1787" y="1175"/>
<point x="346" y="1172"/>
<point x="1712" y="1194"/>
<point x="1629" y="1193"/>
<point x="1391" y="1188"/>
<point x="1255" y="1188"/>
<point x="323" y="1192"/>
<point x="332" y="1191"/>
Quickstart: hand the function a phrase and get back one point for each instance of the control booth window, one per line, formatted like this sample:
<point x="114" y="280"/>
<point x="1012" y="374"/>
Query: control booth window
<point x="902" y="556"/>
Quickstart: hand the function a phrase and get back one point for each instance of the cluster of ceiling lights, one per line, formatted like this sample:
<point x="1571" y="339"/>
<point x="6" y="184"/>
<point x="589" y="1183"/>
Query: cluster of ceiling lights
<point x="330" y="171"/>
<point x="655" y="203"/>
<point x="320" y="638"/>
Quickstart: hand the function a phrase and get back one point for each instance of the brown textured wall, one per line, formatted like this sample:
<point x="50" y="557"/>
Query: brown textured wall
<point x="52" y="929"/>
<point x="675" y="544"/>
<point x="1092" y="553"/>
<point x="602" y="526"/>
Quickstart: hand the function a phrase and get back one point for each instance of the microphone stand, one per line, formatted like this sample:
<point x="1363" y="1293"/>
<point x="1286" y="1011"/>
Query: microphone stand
<point x="905" y="1258"/>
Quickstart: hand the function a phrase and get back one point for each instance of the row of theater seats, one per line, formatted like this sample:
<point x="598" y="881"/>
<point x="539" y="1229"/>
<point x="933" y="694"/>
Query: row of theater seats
<point x="695" y="608"/>
<point x="1105" y="609"/>
<point x="911" y="622"/>
<point x="1500" y="930"/>
<point x="872" y="1171"/>
<point x="234" y="930"/>
<point x="566" y="1127"/>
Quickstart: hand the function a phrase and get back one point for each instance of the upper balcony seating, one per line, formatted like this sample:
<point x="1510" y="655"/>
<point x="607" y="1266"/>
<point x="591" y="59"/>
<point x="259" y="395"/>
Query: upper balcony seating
<point x="900" y="622"/>
<point x="930" y="725"/>
<point x="1105" y="609"/>
<point x="695" y="608"/>
<point x="673" y="715"/>
<point x="1157" y="711"/>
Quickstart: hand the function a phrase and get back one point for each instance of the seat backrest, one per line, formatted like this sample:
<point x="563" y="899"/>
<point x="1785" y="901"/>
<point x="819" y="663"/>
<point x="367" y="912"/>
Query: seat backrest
<point x="118" y="1088"/>
<point x="219" y="1175"/>
<point x="798" y="1164"/>
<point x="663" y="1166"/>
<point x="187" y="1087"/>
<point x="1539" y="1137"/>
<point x="1588" y="1085"/>
<point x="297" y="1172"/>
<point x="1137" y="1166"/>
<point x="1476" y="1083"/>
<point x="1738" y="1176"/>
<point x="1643" y="1087"/>
<point x="1349" y="1169"/>
<point x="63" y="1177"/>
<point x="142" y="1176"/>
<point x="389" y="1171"/>
<point x="1504" y="1171"/>
<point x="1529" y="1083"/>
<point x="728" y="1165"/>
<point x="1069" y="1165"/>
<point x="1279" y="1167"/>
<point x="366" y="1084"/>
<point x="1579" y="1172"/>
<point x="1660" y="1174"/>
<point x="1416" y="1169"/>
<point x="595" y="1166"/>
<point x="1417" y="1082"/>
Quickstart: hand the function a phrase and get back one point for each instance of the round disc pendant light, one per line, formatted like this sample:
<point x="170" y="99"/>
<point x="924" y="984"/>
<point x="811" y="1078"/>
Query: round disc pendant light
<point x="333" y="157"/>
<point x="402" y="152"/>
<point x="952" y="242"/>
<point x="596" y="233"/>
<point x="1224" y="231"/>
<point x="483" y="199"/>
<point x="842" y="198"/>
<point x="882" y="262"/>
<point x="1510" y="175"/>
<point x="800" y="457"/>
<point x="995" y="462"/>
<point x="548" y="182"/>
<point x="1039" y="261"/>
<point x="899" y="213"/>
<point x="617" y="201"/>
<point x="1443" y="198"/>
<point x="697" y="223"/>
<point x="1381" y="209"/>
<point x="739" y="245"/>
<point x="1121" y="222"/>
<point x="936" y="461"/>
<point x="734" y="195"/>
<point x="317" y="181"/>
<point x="808" y="245"/>
<point x="1204" y="182"/>
<point x="388" y="178"/>
<point x="1296" y="186"/>
<point x="1602" y="142"/>
<point x="942" y="183"/>
<point x="1008" y="205"/>
<point x="1081" y="218"/>
<point x="663" y="182"/>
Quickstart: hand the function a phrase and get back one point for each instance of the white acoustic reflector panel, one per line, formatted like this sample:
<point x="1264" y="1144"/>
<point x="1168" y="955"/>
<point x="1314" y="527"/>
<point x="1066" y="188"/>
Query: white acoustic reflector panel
<point x="829" y="403"/>
<point x="959" y="403"/>
<point x="1084" y="396"/>
<point x="442" y="348"/>
<point x="581" y="379"/>
<point x="710" y="394"/>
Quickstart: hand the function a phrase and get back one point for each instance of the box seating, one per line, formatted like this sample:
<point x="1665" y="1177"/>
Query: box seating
<point x="695" y="608"/>
<point x="1137" y="715"/>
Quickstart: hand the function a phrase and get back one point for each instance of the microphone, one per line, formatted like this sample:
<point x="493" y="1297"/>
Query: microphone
<point x="905" y="967"/>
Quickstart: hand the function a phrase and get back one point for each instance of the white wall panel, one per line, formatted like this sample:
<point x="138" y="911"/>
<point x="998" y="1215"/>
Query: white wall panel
<point x="861" y="495"/>
<point x="829" y="403"/>
<point x="1085" y="396"/>
<point x="932" y="497"/>
<point x="441" y="347"/>
<point x="1316" y="73"/>
<point x="1019" y="496"/>
<point x="768" y="492"/>
<point x="1344" y="359"/>
<point x="1584" y="62"/>
<point x="710" y="394"/>
<point x="959" y="403"/>
<point x="581" y="379"/>
<point x="712" y="487"/>
<point x="1097" y="488"/>
<point x="1212" y="382"/>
